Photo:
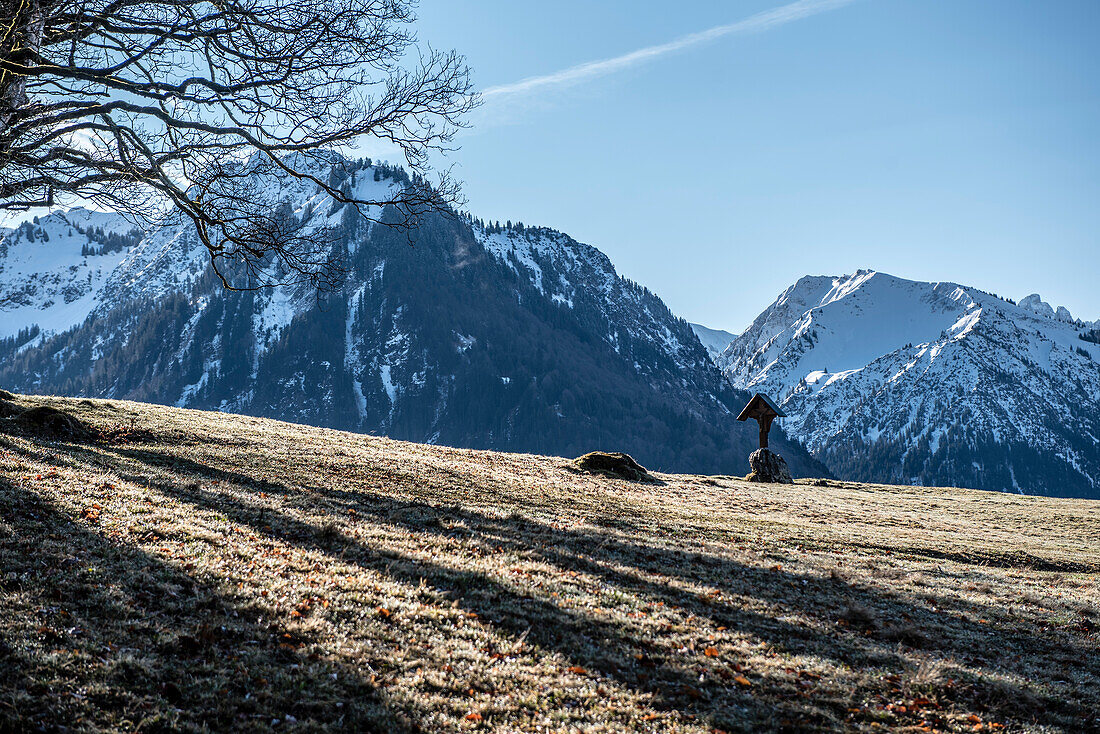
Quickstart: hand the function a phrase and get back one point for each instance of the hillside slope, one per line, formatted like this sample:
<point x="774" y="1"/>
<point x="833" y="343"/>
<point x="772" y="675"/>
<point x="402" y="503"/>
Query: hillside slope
<point x="191" y="570"/>
<point x="893" y="380"/>
<point x="52" y="271"/>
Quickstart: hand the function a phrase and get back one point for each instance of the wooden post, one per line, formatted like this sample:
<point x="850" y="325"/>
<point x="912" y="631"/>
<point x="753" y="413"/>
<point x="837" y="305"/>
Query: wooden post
<point x="765" y="422"/>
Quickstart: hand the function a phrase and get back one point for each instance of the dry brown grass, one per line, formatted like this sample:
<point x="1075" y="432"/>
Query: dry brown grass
<point x="200" y="571"/>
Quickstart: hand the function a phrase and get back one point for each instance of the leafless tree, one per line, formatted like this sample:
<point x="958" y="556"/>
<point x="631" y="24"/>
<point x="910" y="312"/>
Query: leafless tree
<point x="189" y="106"/>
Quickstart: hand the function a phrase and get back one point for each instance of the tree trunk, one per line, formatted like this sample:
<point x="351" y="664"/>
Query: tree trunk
<point x="24" y="23"/>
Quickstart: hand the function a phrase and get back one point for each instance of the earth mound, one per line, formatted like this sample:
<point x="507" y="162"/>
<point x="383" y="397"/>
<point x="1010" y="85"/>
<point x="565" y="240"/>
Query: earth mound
<point x="46" y="422"/>
<point x="615" y="464"/>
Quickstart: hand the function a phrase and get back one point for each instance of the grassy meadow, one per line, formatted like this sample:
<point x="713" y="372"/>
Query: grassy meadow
<point x="203" y="572"/>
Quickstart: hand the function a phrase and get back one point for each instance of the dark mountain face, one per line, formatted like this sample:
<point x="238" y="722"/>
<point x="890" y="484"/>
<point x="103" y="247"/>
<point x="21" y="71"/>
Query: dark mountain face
<point x="502" y="338"/>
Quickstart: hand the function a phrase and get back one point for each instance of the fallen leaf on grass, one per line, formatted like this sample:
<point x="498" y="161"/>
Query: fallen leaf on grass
<point x="742" y="680"/>
<point x="711" y="652"/>
<point x="475" y="716"/>
<point x="577" y="669"/>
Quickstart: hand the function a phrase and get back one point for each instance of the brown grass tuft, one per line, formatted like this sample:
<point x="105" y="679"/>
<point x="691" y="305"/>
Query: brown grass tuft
<point x="859" y="617"/>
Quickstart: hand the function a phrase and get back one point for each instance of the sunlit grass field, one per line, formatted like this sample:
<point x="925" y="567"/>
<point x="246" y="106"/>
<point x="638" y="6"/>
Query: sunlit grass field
<point x="197" y="571"/>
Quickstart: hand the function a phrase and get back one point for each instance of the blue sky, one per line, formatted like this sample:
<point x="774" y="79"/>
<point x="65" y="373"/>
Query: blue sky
<point x="932" y="139"/>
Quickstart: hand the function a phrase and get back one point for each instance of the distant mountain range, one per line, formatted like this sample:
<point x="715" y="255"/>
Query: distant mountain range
<point x="899" y="381"/>
<point x="522" y="339"/>
<point x="478" y="335"/>
<point x="715" y="340"/>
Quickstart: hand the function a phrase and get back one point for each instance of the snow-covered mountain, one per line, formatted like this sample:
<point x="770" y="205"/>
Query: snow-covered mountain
<point x="893" y="380"/>
<point x="480" y="335"/>
<point x="715" y="340"/>
<point x="53" y="270"/>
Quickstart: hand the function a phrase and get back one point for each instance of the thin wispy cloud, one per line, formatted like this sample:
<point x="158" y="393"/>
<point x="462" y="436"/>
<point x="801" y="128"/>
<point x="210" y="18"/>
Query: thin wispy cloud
<point x="593" y="69"/>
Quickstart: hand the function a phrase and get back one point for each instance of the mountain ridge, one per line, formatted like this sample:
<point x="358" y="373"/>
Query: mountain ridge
<point x="507" y="338"/>
<point x="887" y="379"/>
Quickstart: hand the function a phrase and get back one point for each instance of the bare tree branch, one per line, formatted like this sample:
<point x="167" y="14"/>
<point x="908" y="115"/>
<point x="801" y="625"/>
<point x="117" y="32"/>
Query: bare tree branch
<point x="148" y="106"/>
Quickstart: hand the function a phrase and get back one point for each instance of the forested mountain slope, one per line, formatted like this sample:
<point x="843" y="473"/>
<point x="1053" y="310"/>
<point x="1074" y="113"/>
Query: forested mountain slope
<point x="461" y="332"/>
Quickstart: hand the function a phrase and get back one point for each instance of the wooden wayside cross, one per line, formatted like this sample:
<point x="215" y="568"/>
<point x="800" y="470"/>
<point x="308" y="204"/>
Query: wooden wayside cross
<point x="764" y="411"/>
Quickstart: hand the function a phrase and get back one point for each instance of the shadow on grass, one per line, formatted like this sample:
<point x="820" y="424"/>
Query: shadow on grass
<point x="100" y="635"/>
<point x="623" y="652"/>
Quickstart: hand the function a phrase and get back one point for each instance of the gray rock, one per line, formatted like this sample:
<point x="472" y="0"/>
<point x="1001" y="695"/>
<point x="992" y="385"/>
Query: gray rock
<point x="768" y="467"/>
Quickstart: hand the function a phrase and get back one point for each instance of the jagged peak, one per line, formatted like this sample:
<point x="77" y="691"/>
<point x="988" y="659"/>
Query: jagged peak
<point x="1037" y="305"/>
<point x="865" y="355"/>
